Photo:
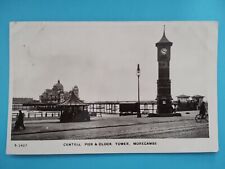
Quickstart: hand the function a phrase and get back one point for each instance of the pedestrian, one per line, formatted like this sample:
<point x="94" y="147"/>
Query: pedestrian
<point x="20" y="121"/>
<point x="172" y="109"/>
<point x="202" y="110"/>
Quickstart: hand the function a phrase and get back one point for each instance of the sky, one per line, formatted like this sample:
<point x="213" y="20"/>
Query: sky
<point x="101" y="58"/>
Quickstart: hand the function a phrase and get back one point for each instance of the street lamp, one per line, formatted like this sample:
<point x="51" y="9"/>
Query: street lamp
<point x="138" y="75"/>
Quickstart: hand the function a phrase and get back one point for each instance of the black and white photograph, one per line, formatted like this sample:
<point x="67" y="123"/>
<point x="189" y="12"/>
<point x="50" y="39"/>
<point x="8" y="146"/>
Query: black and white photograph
<point x="112" y="87"/>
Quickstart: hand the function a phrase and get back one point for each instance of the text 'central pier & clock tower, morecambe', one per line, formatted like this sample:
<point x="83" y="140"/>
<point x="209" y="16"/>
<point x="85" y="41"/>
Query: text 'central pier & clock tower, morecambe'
<point x="164" y="99"/>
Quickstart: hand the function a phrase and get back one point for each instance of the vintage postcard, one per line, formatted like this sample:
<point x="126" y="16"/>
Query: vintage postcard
<point x="112" y="87"/>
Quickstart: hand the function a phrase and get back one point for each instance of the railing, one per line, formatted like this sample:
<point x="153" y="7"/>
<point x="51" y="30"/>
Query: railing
<point x="114" y="108"/>
<point x="39" y="114"/>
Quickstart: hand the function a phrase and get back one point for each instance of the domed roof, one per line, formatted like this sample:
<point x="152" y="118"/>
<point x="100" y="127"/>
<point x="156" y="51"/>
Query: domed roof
<point x="75" y="90"/>
<point x="58" y="86"/>
<point x="75" y="87"/>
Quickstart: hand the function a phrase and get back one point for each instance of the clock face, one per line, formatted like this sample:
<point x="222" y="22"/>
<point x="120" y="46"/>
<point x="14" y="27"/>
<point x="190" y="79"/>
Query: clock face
<point x="163" y="51"/>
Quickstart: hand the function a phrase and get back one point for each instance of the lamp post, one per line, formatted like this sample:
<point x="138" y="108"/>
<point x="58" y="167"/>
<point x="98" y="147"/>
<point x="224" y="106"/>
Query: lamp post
<point x="138" y="75"/>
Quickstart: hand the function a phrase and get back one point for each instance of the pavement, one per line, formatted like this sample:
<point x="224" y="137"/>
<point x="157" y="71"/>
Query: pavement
<point x="115" y="127"/>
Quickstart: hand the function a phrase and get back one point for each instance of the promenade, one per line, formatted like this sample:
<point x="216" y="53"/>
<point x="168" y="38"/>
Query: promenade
<point x="115" y="127"/>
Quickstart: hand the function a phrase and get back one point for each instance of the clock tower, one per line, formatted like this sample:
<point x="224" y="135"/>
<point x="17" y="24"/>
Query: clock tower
<point x="164" y="99"/>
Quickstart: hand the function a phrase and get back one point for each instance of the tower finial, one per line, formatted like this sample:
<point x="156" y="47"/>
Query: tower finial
<point x="164" y="30"/>
<point x="164" y="39"/>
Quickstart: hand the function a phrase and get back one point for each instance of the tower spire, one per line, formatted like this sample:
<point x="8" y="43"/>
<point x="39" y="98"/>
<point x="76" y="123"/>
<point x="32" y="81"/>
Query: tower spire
<point x="164" y="40"/>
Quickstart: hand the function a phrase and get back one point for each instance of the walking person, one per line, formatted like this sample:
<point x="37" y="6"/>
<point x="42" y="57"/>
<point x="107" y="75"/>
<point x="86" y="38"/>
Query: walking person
<point x="20" y="121"/>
